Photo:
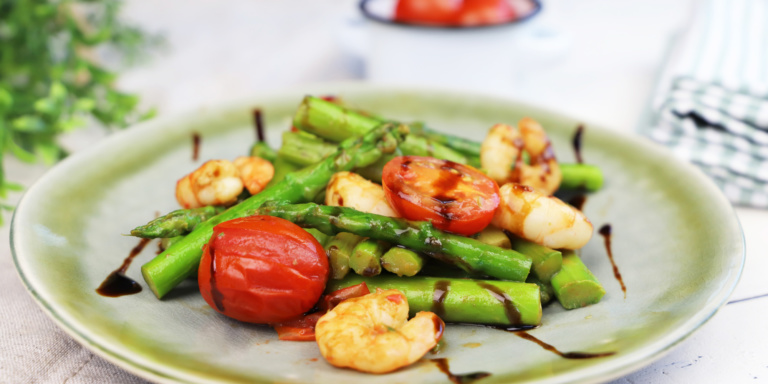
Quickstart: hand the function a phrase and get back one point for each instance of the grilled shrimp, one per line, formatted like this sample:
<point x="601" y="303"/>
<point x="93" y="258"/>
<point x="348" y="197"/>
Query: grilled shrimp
<point x="541" y="218"/>
<point x="255" y="172"/>
<point x="501" y="155"/>
<point x="371" y="333"/>
<point x="217" y="182"/>
<point x="348" y="189"/>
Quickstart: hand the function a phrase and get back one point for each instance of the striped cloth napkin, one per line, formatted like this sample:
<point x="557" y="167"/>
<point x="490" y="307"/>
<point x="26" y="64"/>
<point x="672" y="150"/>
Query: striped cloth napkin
<point x="711" y="107"/>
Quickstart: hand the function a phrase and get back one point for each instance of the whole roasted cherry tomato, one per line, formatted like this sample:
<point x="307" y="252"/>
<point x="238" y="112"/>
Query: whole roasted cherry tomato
<point x="262" y="269"/>
<point x="455" y="197"/>
<point x="441" y="12"/>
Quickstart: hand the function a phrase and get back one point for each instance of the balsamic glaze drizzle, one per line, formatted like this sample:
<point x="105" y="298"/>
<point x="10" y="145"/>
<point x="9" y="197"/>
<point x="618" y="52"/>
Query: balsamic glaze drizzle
<point x="605" y="231"/>
<point x="195" y="145"/>
<point x="258" y="125"/>
<point x="117" y="283"/>
<point x="465" y="378"/>
<point x="577" y="143"/>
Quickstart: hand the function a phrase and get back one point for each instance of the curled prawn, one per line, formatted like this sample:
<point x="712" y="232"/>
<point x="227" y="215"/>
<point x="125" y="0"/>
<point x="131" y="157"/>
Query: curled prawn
<point x="541" y="218"/>
<point x="372" y="333"/>
<point x="347" y="189"/>
<point x="216" y="182"/>
<point x="255" y="172"/>
<point x="501" y="155"/>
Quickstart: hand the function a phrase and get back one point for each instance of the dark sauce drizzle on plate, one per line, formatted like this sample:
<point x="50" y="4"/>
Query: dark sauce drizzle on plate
<point x="576" y="142"/>
<point x="605" y="231"/>
<point x="567" y="355"/>
<point x="117" y="283"/>
<point x="578" y="200"/>
<point x="195" y="145"/>
<point x="259" y="125"/>
<point x="465" y="378"/>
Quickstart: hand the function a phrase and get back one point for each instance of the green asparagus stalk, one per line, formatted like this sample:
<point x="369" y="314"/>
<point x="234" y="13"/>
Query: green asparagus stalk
<point x="504" y="303"/>
<point x="421" y="146"/>
<point x="339" y="250"/>
<point x="545" y="289"/>
<point x="575" y="286"/>
<point x="402" y="261"/>
<point x="335" y="123"/>
<point x="171" y="267"/>
<point x="468" y="148"/>
<point x="466" y="253"/>
<point x="282" y="168"/>
<point x="374" y="171"/>
<point x="366" y="257"/>
<point x="302" y="148"/>
<point x="434" y="268"/>
<point x="264" y="151"/>
<point x="546" y="261"/>
<point x="494" y="236"/>
<point x="167" y="242"/>
<point x="321" y="238"/>
<point x="581" y="176"/>
<point x="177" y="223"/>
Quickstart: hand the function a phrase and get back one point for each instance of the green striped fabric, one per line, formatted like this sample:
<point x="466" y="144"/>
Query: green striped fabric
<point x="711" y="106"/>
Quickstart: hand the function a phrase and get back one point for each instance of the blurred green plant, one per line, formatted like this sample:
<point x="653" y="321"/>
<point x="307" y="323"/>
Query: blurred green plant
<point x="51" y="80"/>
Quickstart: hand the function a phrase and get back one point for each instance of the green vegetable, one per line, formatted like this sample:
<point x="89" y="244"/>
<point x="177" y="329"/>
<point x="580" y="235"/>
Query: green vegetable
<point x="51" y="80"/>
<point x="302" y="148"/>
<point x="494" y="236"/>
<point x="546" y="290"/>
<point x="339" y="251"/>
<point x="321" y="238"/>
<point x="506" y="303"/>
<point x="402" y="262"/>
<point x="282" y="168"/>
<point x="171" y="267"/>
<point x="177" y="223"/>
<point x="264" y="151"/>
<point x="366" y="257"/>
<point x="333" y="122"/>
<point x="466" y="253"/>
<point x="581" y="176"/>
<point x="546" y="261"/>
<point x="575" y="286"/>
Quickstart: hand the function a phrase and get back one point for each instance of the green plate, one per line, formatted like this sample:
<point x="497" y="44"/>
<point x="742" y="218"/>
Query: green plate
<point x="676" y="241"/>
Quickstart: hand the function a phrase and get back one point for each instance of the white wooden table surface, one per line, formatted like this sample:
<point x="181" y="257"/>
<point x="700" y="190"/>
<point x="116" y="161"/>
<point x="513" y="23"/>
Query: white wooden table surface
<point x="221" y="51"/>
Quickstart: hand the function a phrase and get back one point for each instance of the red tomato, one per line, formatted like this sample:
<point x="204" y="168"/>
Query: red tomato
<point x="455" y="197"/>
<point x="485" y="12"/>
<point x="443" y="12"/>
<point x="262" y="269"/>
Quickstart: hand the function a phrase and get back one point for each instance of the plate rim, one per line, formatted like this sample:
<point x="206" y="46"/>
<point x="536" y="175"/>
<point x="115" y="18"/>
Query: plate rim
<point x="643" y="356"/>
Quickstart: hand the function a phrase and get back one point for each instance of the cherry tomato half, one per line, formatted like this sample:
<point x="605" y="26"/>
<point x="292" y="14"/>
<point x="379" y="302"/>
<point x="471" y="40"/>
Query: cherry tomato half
<point x="262" y="269"/>
<point x="455" y="197"/>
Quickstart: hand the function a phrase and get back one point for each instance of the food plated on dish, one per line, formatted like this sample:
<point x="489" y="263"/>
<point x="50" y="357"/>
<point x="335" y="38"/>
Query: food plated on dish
<point x="139" y="332"/>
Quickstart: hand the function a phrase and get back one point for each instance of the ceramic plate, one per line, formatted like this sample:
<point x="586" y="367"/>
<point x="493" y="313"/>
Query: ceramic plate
<point x="676" y="241"/>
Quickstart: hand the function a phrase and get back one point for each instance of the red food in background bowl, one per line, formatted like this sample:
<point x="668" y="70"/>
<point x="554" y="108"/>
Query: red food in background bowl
<point x="462" y="13"/>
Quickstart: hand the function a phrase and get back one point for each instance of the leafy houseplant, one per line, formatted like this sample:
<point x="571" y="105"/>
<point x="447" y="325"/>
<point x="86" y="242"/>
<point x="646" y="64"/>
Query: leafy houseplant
<point x="51" y="77"/>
